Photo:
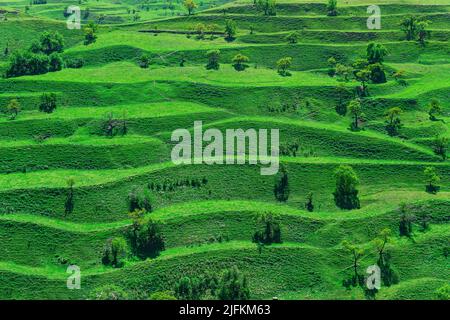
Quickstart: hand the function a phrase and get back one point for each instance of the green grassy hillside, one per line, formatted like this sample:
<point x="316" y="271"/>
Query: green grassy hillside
<point x="110" y="137"/>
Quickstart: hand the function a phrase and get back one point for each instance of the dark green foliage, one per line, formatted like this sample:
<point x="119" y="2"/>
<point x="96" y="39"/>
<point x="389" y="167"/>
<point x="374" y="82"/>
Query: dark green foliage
<point x="145" y="236"/>
<point x="267" y="7"/>
<point x="377" y="74"/>
<point x="332" y="8"/>
<point x="55" y="62"/>
<point x="376" y="53"/>
<point x="69" y="203"/>
<point x="393" y="122"/>
<point x="48" y="102"/>
<point x="114" y="252"/>
<point x="267" y="229"/>
<point x="440" y="145"/>
<point x="233" y="285"/>
<point x="74" y="63"/>
<point x="197" y="288"/>
<point x="140" y="199"/>
<point x="432" y="180"/>
<point x="239" y="62"/>
<point x="50" y="42"/>
<point x="406" y="220"/>
<point x="281" y="189"/>
<point x="27" y="63"/>
<point x="346" y="194"/>
<point x="230" y="30"/>
<point x="309" y="202"/>
<point x="213" y="59"/>
<point x="144" y="61"/>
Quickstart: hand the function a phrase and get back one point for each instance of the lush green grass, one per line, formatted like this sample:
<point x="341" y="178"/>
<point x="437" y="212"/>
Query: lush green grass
<point x="209" y="228"/>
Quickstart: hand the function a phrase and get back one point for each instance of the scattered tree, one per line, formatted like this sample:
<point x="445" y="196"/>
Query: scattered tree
<point x="13" y="109"/>
<point x="376" y="53"/>
<point x="230" y="30"/>
<point x="293" y="37"/>
<point x="434" y="109"/>
<point x="144" y="61"/>
<point x="283" y="65"/>
<point x="268" y="229"/>
<point x="145" y="235"/>
<point x="90" y="33"/>
<point x="440" y="145"/>
<point x="356" y="254"/>
<point x="239" y="62"/>
<point x="114" y="252"/>
<point x="409" y="26"/>
<point x="190" y="5"/>
<point x="69" y="203"/>
<point x="233" y="285"/>
<point x="268" y="7"/>
<point x="281" y="189"/>
<point x="356" y="111"/>
<point x="393" y="122"/>
<point x="48" y="102"/>
<point x="406" y="220"/>
<point x="432" y="179"/>
<point x="422" y="32"/>
<point x="213" y="59"/>
<point x="332" y="8"/>
<point x="346" y="194"/>
<point x="388" y="275"/>
<point x="309" y="202"/>
<point x="140" y="199"/>
<point x="343" y="72"/>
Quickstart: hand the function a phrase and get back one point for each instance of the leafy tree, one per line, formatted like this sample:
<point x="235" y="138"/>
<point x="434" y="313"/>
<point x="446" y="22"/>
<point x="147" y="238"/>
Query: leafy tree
<point x="440" y="145"/>
<point x="55" y="62"/>
<point x="268" y="229"/>
<point x="376" y="53"/>
<point x="293" y="37"/>
<point x="356" y="254"/>
<point x="341" y="107"/>
<point x="51" y="42"/>
<point x="212" y="27"/>
<point x="422" y="32"/>
<point x="200" y="29"/>
<point x="405" y="224"/>
<point x="144" y="61"/>
<point x="432" y="179"/>
<point x="90" y="33"/>
<point x="13" y="109"/>
<point x="377" y="74"/>
<point x="213" y="59"/>
<point x="233" y="285"/>
<point x="343" y="72"/>
<point x="268" y="7"/>
<point x="409" y="26"/>
<point x="363" y="76"/>
<point x="283" y="65"/>
<point x="239" y="62"/>
<point x="48" y="102"/>
<point x="188" y="289"/>
<point x="190" y="5"/>
<point x="388" y="275"/>
<point x="230" y="30"/>
<point x="69" y="203"/>
<point x="26" y="63"/>
<point x="281" y="189"/>
<point x="140" y="199"/>
<point x="434" y="109"/>
<point x="346" y="194"/>
<point x="309" y="202"/>
<point x="332" y="8"/>
<point x="356" y="111"/>
<point x="145" y="236"/>
<point x="119" y="250"/>
<point x="109" y="292"/>
<point x="332" y="66"/>
<point x="393" y="123"/>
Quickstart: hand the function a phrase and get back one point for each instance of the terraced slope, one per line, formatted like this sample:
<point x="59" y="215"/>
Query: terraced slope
<point x="208" y="228"/>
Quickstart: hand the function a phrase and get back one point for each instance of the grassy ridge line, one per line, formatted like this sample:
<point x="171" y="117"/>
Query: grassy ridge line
<point x="441" y="231"/>
<point x="199" y="208"/>
<point x="52" y="178"/>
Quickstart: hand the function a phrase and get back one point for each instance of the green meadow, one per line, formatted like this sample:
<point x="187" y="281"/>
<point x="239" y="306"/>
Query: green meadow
<point x="68" y="175"/>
